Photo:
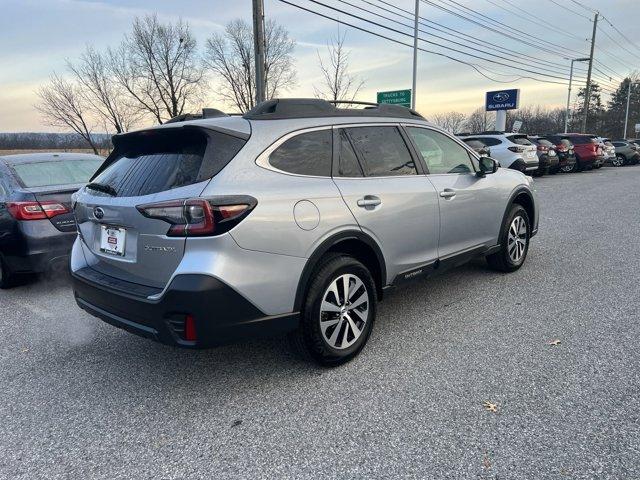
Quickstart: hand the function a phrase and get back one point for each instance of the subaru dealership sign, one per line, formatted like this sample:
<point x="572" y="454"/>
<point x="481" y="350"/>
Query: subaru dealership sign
<point x="502" y="100"/>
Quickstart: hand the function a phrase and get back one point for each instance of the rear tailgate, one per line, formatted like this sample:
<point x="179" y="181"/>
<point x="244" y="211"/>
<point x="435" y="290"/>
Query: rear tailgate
<point x="149" y="167"/>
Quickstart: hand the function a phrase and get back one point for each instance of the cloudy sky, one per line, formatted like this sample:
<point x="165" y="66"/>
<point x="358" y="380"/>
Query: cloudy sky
<point x="39" y="35"/>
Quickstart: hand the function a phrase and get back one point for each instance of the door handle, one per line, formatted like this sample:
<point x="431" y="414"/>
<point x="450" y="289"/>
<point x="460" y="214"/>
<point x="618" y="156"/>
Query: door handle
<point x="369" y="201"/>
<point x="448" y="193"/>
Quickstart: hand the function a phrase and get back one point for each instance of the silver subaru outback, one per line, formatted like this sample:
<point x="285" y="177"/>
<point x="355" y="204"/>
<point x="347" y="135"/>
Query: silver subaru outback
<point x="292" y="219"/>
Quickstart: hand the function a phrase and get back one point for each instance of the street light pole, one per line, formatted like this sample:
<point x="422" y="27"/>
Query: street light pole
<point x="566" y="117"/>
<point x="415" y="56"/>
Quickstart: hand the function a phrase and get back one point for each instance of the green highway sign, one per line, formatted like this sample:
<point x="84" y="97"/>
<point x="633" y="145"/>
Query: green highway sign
<point x="396" y="97"/>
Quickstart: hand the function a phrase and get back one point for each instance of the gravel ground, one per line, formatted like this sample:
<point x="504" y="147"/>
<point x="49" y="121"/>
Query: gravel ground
<point x="81" y="399"/>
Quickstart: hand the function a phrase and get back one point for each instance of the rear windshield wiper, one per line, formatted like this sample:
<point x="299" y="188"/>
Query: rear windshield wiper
<point x="101" y="187"/>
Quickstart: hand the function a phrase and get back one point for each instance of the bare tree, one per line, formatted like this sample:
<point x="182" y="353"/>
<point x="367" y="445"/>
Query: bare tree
<point x="157" y="64"/>
<point x="106" y="96"/>
<point x="450" y="121"/>
<point x="477" y="121"/>
<point x="63" y="105"/>
<point x="337" y="84"/>
<point x="229" y="57"/>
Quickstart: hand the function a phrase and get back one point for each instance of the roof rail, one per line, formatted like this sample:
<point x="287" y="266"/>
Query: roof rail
<point x="286" y="108"/>
<point x="206" y="113"/>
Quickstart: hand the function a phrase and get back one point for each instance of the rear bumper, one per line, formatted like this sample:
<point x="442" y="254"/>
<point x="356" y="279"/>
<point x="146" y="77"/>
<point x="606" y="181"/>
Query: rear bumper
<point x="39" y="250"/>
<point x="220" y="313"/>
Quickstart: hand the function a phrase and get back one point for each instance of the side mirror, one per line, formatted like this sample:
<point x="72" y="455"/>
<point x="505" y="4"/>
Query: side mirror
<point x="487" y="166"/>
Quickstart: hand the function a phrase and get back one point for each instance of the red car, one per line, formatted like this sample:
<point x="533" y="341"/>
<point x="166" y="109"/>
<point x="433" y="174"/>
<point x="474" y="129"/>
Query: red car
<point x="588" y="150"/>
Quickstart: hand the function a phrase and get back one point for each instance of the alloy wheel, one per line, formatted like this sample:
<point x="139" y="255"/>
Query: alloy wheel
<point x="517" y="239"/>
<point x="617" y="161"/>
<point x="344" y="311"/>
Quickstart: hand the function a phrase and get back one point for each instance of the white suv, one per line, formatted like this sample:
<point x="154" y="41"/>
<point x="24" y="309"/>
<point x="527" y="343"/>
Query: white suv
<point x="512" y="150"/>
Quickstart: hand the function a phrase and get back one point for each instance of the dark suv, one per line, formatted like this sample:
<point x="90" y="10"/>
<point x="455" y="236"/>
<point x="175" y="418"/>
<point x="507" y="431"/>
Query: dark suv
<point x="565" y="152"/>
<point x="37" y="228"/>
<point x="547" y="156"/>
<point x="589" y="153"/>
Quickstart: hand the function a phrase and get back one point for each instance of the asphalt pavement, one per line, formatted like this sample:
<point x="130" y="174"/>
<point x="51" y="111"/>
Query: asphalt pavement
<point x="553" y="347"/>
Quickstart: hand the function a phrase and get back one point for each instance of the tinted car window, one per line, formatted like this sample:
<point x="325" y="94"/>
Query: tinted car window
<point x="519" y="140"/>
<point x="348" y="165"/>
<point x="474" y="143"/>
<point x="543" y="142"/>
<point x="305" y="154"/>
<point x="150" y="163"/>
<point x="581" y="140"/>
<point x="58" y="172"/>
<point x="491" y="142"/>
<point x="383" y="151"/>
<point x="618" y="144"/>
<point x="441" y="153"/>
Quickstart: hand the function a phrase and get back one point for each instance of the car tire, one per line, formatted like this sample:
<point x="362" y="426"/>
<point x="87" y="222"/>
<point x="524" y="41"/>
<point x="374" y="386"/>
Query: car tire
<point x="569" y="168"/>
<point x="514" y="241"/>
<point x="333" y="330"/>
<point x="5" y="275"/>
<point x="618" y="161"/>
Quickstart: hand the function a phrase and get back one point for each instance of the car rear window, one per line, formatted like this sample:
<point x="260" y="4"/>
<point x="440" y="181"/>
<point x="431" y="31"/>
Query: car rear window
<point x="473" y="143"/>
<point x="305" y="154"/>
<point x="56" y="172"/>
<point x="519" y="140"/>
<point x="544" y="142"/>
<point x="149" y="163"/>
<point x="582" y="140"/>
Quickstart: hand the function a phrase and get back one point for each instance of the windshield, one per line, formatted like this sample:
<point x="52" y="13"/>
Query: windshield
<point x="58" y="172"/>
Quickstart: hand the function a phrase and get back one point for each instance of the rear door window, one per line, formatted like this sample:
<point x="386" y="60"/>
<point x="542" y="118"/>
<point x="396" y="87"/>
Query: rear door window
<point x="305" y="154"/>
<point x="383" y="151"/>
<point x="165" y="160"/>
<point x="441" y="154"/>
<point x="56" y="172"/>
<point x="473" y="143"/>
<point x="348" y="165"/>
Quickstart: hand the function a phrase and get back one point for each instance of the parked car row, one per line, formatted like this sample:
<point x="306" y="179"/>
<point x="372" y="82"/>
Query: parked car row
<point x="552" y="153"/>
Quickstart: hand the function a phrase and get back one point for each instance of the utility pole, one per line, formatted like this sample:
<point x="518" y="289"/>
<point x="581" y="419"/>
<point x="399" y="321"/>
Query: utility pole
<point x="415" y="55"/>
<point x="259" y="45"/>
<point x="566" y="118"/>
<point x="587" y="97"/>
<point x="626" y="118"/>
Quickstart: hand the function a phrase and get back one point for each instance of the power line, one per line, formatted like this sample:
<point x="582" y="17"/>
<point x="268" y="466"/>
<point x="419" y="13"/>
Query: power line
<point x="503" y="25"/>
<point x="499" y="31"/>
<point x="542" y="69"/>
<point x="621" y="34"/>
<point x="357" y="27"/>
<point x="444" y="29"/>
<point x="497" y="62"/>
<point x="570" y="10"/>
<point x="518" y="13"/>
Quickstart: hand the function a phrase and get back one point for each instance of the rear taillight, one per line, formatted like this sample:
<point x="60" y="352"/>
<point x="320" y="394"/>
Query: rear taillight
<point x="518" y="149"/>
<point x="200" y="217"/>
<point x="543" y="148"/>
<point x="36" y="210"/>
<point x="561" y="148"/>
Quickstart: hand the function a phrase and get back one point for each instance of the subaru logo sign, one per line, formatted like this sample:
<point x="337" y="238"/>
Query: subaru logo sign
<point x="502" y="100"/>
<point x="98" y="213"/>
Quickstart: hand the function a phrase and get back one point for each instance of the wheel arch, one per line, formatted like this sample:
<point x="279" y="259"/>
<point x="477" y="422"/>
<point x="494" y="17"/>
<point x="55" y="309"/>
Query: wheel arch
<point x="520" y="196"/>
<point x="355" y="243"/>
